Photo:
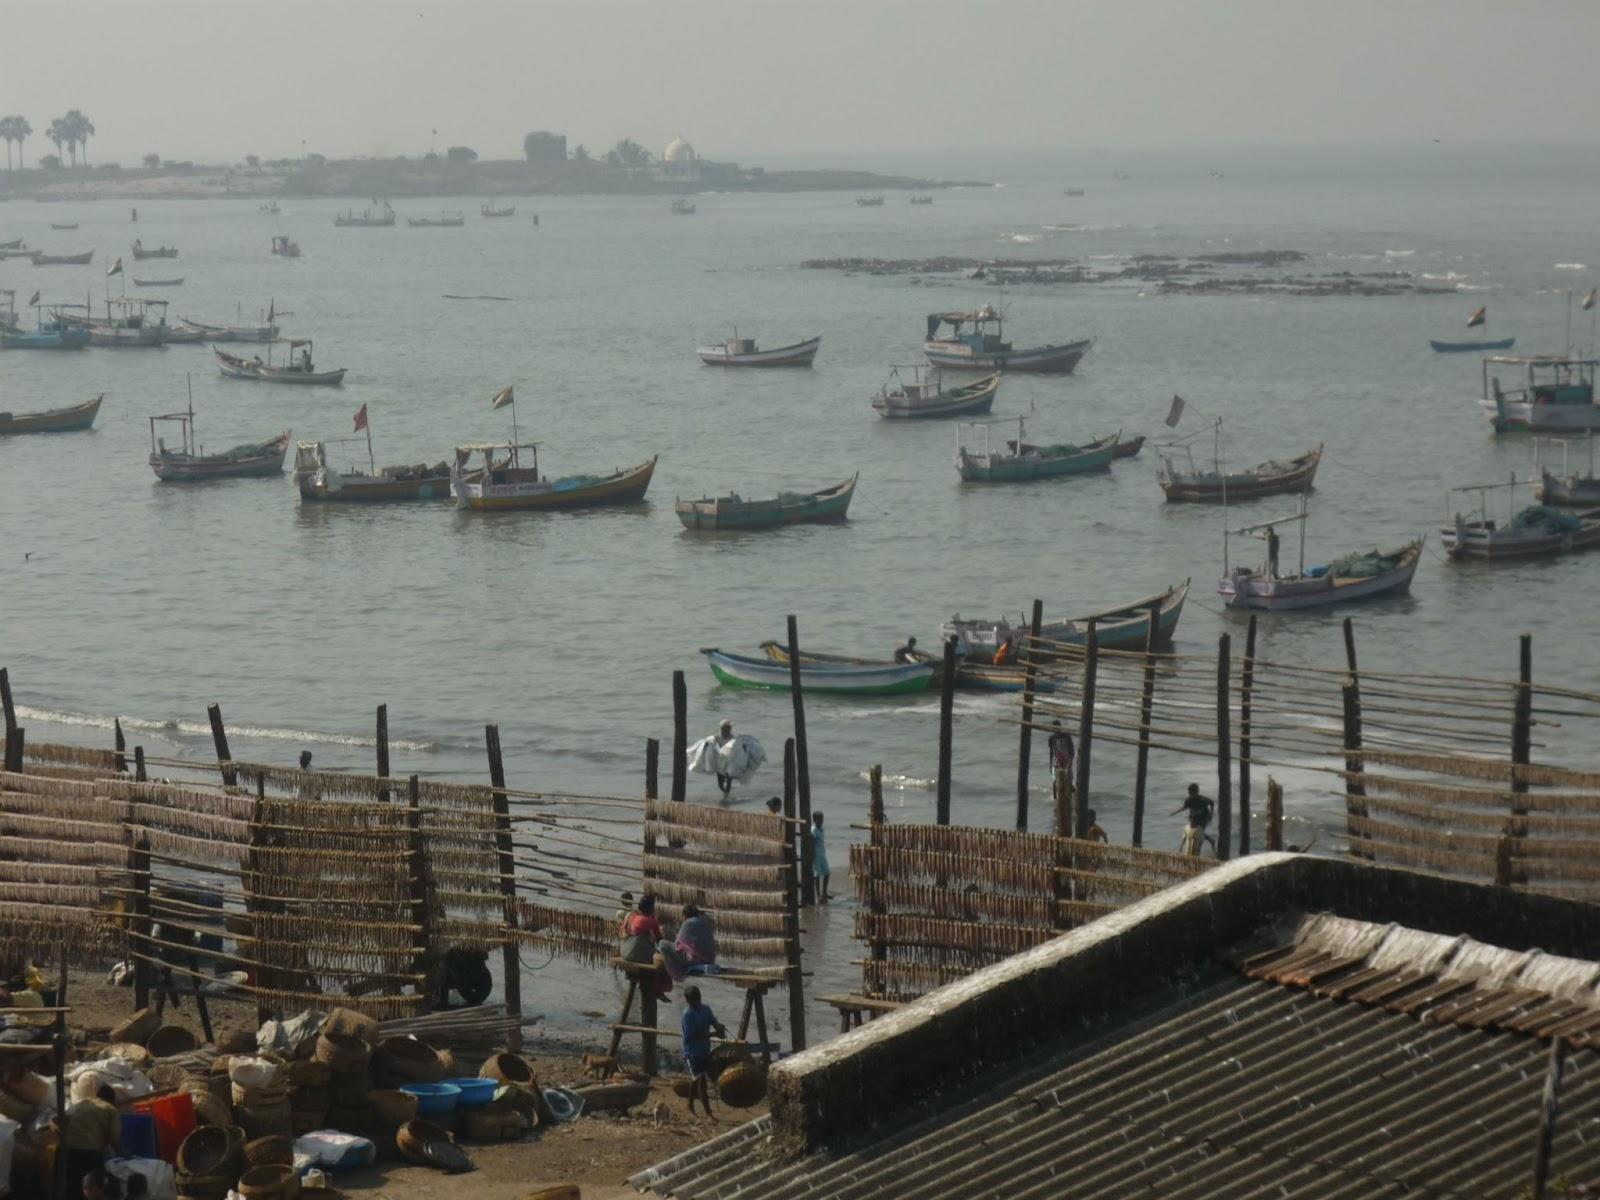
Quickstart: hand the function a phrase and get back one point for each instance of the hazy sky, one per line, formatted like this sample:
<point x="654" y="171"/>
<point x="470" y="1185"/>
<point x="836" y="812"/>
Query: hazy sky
<point x="815" y="80"/>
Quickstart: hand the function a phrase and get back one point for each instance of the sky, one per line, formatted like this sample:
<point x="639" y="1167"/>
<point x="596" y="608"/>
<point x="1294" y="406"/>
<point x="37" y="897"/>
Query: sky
<point x="814" y="82"/>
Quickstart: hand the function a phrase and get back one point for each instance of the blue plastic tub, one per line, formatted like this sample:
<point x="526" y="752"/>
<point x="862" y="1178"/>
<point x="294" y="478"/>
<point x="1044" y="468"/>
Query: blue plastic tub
<point x="433" y="1098"/>
<point x="139" y="1135"/>
<point x="475" y="1092"/>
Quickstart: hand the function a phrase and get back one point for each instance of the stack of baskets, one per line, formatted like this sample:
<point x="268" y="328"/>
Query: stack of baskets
<point x="209" y="1163"/>
<point x="346" y="1057"/>
<point x="276" y="1181"/>
<point x="391" y="1109"/>
<point x="260" y="1087"/>
<point x="310" y="1094"/>
<point x="401" y="1060"/>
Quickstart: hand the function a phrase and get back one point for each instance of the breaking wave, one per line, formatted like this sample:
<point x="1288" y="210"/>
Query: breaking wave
<point x="199" y="729"/>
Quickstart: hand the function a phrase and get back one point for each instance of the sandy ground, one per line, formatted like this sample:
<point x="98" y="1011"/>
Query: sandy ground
<point x="598" y="1152"/>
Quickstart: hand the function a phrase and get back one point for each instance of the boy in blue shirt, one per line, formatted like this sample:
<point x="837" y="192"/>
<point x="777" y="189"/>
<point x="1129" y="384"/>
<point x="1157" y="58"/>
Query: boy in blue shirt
<point x="699" y="1023"/>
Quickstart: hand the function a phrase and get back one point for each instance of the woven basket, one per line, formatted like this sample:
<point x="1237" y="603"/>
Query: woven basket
<point x="349" y="1022"/>
<point x="274" y="1182"/>
<point x="400" y="1060"/>
<point x="260" y="1097"/>
<point x="560" y="1191"/>
<point x="136" y="1028"/>
<point x="135" y="1055"/>
<point x="507" y="1068"/>
<point x="392" y="1108"/>
<point x="209" y="1110"/>
<point x="275" y="1150"/>
<point x="195" y="1186"/>
<point x="416" y="1133"/>
<point x="264" y="1121"/>
<point x="210" y="1150"/>
<point x="310" y="1073"/>
<point x="493" y="1122"/>
<point x="343" y="1051"/>
<point x="728" y="1054"/>
<point x="742" y="1085"/>
<point x="170" y="1040"/>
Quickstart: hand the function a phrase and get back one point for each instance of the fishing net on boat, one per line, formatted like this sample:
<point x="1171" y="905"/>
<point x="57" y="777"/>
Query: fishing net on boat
<point x="1363" y="566"/>
<point x="1539" y="517"/>
<point x="572" y="482"/>
<point x="250" y="450"/>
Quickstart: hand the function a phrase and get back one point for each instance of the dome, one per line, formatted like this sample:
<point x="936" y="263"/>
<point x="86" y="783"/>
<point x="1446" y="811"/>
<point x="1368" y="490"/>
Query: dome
<point x="678" y="151"/>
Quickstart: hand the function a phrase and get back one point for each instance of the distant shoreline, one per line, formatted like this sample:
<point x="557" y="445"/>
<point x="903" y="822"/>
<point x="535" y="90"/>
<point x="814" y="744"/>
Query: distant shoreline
<point x="364" y="179"/>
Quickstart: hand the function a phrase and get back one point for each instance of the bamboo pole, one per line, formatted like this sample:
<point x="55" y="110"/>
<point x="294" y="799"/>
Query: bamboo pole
<point x="139" y="773"/>
<point x="16" y="741"/>
<point x="802" y="768"/>
<point x="121" y="744"/>
<point x="1246" y="681"/>
<point x="947" y="702"/>
<point x="139" y="868"/>
<point x="1030" y="674"/>
<point x="1146" y="702"/>
<point x="6" y="706"/>
<point x="1354" y="790"/>
<point x="421" y="915"/>
<point x="1224" y="751"/>
<point x="1274" y="814"/>
<point x="252" y="878"/>
<point x="1521" y="736"/>
<point x="652" y="780"/>
<point x="1091" y="670"/>
<point x="795" y="975"/>
<point x="508" y="887"/>
<point x="383" y="750"/>
<point x="1549" y="1104"/>
<point x="680" y="738"/>
<point x="219" y="737"/>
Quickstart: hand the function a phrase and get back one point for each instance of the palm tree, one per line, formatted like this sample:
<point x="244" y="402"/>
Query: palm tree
<point x="59" y="134"/>
<point x="8" y="127"/>
<point x="21" y="131"/>
<point x="82" y="131"/>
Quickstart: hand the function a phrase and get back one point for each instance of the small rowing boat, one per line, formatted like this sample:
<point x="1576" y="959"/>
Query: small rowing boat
<point x="889" y="679"/>
<point x="445" y="220"/>
<point x="1023" y="461"/>
<point x="139" y="252"/>
<point x="979" y="349"/>
<point x="1216" y="486"/>
<point x="55" y="420"/>
<point x="734" y="512"/>
<point x="63" y="260"/>
<point x="925" y="396"/>
<point x="175" y="282"/>
<point x="13" y="244"/>
<point x="501" y="482"/>
<point x="72" y="225"/>
<point x="1471" y="347"/>
<point x="975" y="675"/>
<point x="743" y="352"/>
<point x="1130" y="447"/>
<point x="267" y="332"/>
<point x="300" y="369"/>
<point x="1125" y="627"/>
<point x="489" y="210"/>
<point x="190" y="465"/>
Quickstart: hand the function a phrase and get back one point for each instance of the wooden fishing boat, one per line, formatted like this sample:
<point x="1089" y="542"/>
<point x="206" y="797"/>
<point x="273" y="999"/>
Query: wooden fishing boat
<point x="131" y="323"/>
<point x="1194" y="485"/>
<point x="285" y="247"/>
<point x="1478" y="347"/>
<point x="1536" y="531"/>
<point x="922" y="200"/>
<point x="190" y="465"/>
<point x="319" y="482"/>
<point x="1358" y="576"/>
<point x="185" y="334"/>
<point x="176" y="281"/>
<point x="1023" y="461"/>
<point x="59" y="327"/>
<point x="502" y="482"/>
<point x="140" y="253"/>
<point x="925" y="396"/>
<point x="892" y="679"/>
<point x="1568" y="489"/>
<point x="734" y="512"/>
<point x="69" y="225"/>
<point x="1558" y="396"/>
<point x="55" y="420"/>
<point x="971" y="674"/>
<point x="743" y="352"/>
<point x="869" y="201"/>
<point x="62" y="260"/>
<point x="979" y="349"/>
<point x="489" y="210"/>
<point x="15" y="249"/>
<point x="683" y="208"/>
<point x="445" y="220"/>
<point x="236" y="333"/>
<point x="13" y="244"/>
<point x="1125" y="627"/>
<point x="367" y="218"/>
<point x="1130" y="447"/>
<point x="300" y="370"/>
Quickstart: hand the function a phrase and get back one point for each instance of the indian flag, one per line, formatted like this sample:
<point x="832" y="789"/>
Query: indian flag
<point x="1478" y="318"/>
<point x="502" y="398"/>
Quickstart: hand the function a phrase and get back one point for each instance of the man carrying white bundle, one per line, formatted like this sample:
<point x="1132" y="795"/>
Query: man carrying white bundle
<point x="731" y="758"/>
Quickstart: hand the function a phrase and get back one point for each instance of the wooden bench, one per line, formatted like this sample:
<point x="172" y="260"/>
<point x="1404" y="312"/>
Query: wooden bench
<point x="756" y="985"/>
<point x="853" y="1004"/>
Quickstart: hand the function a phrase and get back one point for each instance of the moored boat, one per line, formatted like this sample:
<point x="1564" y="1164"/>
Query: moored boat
<point x="367" y="218"/>
<point x="320" y="482"/>
<point x="972" y="674"/>
<point x="683" y="208"/>
<point x="176" y="281"/>
<point x="924" y="199"/>
<point x="62" y="260"/>
<point x="1188" y="482"/>
<point x="13" y="244"/>
<point x="1535" y="531"/>
<point x="1023" y="461"/>
<point x="59" y="327"/>
<point x="1130" y="447"/>
<point x="1125" y="627"/>
<point x="55" y="420"/>
<point x="284" y="247"/>
<point x="743" y="352"/>
<point x="924" y="395"/>
<point x="299" y="370"/>
<point x="890" y="679"/>
<point x="448" y="219"/>
<point x="489" y="210"/>
<point x="67" y="226"/>
<point x="139" y="251"/>
<point x="131" y="323"/>
<point x="735" y="512"/>
<point x="869" y="201"/>
<point x="1568" y="489"/>
<point x="978" y="349"/>
<point x="266" y="332"/>
<point x="190" y="465"/>
<point x="1357" y="576"/>
<point x="1478" y="347"/>
<point x="1558" y="396"/>
<point x="501" y="482"/>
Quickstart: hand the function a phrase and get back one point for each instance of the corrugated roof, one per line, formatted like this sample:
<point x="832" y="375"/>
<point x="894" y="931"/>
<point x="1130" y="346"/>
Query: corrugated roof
<point x="1389" y="1083"/>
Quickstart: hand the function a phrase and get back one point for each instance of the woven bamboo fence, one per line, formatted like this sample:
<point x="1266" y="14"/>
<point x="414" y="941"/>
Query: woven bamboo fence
<point x="939" y="902"/>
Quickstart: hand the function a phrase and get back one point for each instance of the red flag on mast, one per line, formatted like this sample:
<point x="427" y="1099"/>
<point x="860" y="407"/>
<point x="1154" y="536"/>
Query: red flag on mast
<point x="361" y="419"/>
<point x="1479" y="317"/>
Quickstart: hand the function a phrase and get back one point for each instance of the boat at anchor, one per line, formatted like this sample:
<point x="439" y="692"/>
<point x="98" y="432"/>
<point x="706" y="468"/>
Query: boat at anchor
<point x="887" y="679"/>
<point x="300" y="370"/>
<point x="1557" y="397"/>
<point x="924" y="396"/>
<point x="1022" y="461"/>
<point x="54" y="420"/>
<point x="976" y="342"/>
<point x="1356" y="576"/>
<point x="743" y="352"/>
<point x="190" y="463"/>
<point x="722" y="513"/>
<point x="500" y="481"/>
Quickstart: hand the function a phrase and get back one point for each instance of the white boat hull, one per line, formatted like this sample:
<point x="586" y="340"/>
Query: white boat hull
<point x="1518" y="417"/>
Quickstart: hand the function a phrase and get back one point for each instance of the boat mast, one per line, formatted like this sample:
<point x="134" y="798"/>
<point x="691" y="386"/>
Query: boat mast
<point x="371" y="462"/>
<point x="1302" y="535"/>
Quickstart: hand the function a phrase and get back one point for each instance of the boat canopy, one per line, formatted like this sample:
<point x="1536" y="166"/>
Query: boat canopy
<point x="986" y="313"/>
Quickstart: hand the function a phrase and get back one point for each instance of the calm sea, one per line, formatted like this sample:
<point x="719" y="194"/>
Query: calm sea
<point x="148" y="601"/>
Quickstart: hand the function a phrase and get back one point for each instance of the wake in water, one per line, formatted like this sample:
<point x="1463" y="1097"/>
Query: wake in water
<point x="197" y="729"/>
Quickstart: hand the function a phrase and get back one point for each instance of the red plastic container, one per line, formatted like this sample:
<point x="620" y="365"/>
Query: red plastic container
<point x="174" y="1120"/>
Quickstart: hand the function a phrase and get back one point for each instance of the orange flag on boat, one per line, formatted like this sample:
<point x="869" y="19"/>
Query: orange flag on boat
<point x="116" y="269"/>
<point x="1588" y="301"/>
<point x="1478" y="318"/>
<point x="361" y="419"/>
<point x="502" y="398"/>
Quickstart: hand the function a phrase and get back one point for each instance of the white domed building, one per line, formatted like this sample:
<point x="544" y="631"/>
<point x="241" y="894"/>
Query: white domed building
<point x="679" y="162"/>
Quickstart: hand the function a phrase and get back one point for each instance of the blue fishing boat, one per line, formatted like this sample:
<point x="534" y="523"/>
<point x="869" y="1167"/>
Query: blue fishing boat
<point x="57" y="329"/>
<point x="1470" y="347"/>
<point x="875" y="679"/>
<point x="1022" y="461"/>
<point x="971" y="346"/>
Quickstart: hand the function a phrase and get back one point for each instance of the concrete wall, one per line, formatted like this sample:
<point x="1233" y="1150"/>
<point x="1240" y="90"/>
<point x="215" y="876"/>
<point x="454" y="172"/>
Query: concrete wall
<point x="953" y="1034"/>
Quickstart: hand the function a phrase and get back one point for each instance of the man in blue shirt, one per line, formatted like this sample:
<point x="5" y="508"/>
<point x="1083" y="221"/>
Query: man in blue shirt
<point x="699" y="1023"/>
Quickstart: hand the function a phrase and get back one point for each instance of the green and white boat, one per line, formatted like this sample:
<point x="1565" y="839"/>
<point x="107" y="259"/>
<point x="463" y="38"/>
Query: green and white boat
<point x="870" y="679"/>
<point x="1020" y="461"/>
<point x="786" y="508"/>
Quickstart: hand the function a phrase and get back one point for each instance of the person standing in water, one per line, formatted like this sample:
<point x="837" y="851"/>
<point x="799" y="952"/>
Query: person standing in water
<point x="724" y="737"/>
<point x="819" y="858"/>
